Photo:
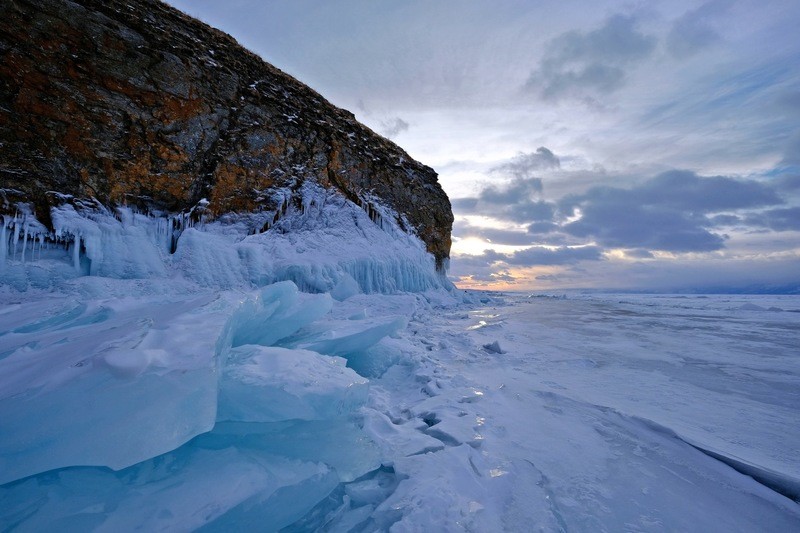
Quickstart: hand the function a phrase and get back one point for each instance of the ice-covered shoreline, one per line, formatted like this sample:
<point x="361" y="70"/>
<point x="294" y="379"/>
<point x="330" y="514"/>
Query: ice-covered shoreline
<point x="324" y="376"/>
<point x="591" y="416"/>
<point x="323" y="242"/>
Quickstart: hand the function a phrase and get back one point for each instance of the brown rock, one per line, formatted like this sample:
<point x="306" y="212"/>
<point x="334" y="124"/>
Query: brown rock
<point x="133" y="102"/>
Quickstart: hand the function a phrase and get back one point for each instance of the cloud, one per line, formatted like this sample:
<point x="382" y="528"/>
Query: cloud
<point x="480" y="267"/>
<point x="621" y="225"/>
<point x="523" y="165"/>
<point x="783" y="219"/>
<point x="788" y="103"/>
<point x="542" y="228"/>
<point x="563" y="255"/>
<point x="511" y="202"/>
<point x="584" y="65"/>
<point x="725" y="220"/>
<point x="788" y="184"/>
<point x="392" y="127"/>
<point x="684" y="190"/>
<point x="791" y="155"/>
<point x="518" y="200"/>
<point x="667" y="212"/>
<point x="464" y="205"/>
<point x="638" y="254"/>
<point x="532" y="256"/>
<point x="462" y="229"/>
<point x="702" y="275"/>
<point x="518" y="191"/>
<point x="692" y="32"/>
<point x="471" y="261"/>
<point x="675" y="211"/>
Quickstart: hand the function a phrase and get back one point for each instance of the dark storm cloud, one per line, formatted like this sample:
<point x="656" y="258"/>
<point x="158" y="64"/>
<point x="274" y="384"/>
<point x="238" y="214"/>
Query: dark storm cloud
<point x="393" y="127"/>
<point x="693" y="32"/>
<point x="667" y="212"/>
<point x="583" y="65"/>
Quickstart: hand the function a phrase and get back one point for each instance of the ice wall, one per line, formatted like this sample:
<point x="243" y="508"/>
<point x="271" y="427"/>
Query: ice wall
<point x="324" y="242"/>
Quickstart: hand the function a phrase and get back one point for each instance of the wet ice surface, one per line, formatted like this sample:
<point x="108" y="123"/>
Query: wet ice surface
<point x="128" y="404"/>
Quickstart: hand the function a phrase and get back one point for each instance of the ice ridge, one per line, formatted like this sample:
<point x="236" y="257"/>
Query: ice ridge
<point x="195" y="393"/>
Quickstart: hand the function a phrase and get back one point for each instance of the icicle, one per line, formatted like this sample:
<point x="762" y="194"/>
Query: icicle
<point x="3" y="243"/>
<point x="76" y="254"/>
<point x="24" y="241"/>
<point x="16" y="237"/>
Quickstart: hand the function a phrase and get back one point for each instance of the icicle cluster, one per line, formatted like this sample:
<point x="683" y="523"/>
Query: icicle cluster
<point x="320" y="243"/>
<point x="19" y="233"/>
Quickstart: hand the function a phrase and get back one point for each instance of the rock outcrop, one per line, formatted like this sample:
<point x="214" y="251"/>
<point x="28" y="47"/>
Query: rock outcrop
<point x="133" y="102"/>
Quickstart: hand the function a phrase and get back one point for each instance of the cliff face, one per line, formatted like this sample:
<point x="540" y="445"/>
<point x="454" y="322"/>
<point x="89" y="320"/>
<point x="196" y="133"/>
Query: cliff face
<point x="133" y="102"/>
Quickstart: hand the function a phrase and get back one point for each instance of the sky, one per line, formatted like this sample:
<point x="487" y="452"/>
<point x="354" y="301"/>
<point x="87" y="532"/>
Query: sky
<point x="643" y="145"/>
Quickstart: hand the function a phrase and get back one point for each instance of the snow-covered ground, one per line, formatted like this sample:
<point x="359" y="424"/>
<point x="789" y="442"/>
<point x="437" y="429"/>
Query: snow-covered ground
<point x="322" y="376"/>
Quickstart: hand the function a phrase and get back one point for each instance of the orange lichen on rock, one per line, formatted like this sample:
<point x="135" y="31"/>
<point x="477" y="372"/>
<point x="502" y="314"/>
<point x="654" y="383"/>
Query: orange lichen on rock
<point x="173" y="109"/>
<point x="236" y="189"/>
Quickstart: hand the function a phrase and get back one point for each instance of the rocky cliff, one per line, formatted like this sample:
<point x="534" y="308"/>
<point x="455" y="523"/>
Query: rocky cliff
<point x="132" y="102"/>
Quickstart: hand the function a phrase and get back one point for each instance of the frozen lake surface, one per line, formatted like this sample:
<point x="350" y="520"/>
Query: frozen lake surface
<point x="626" y="412"/>
<point x="130" y="404"/>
